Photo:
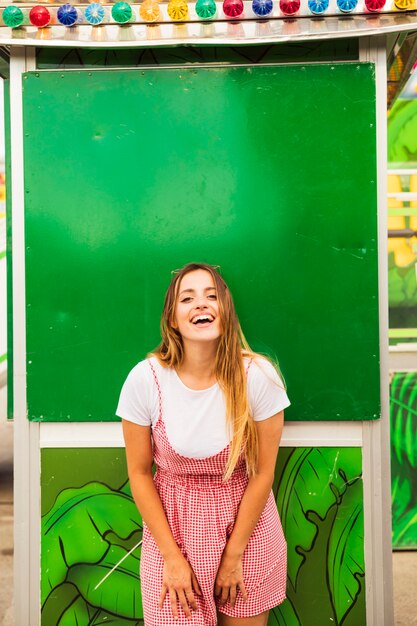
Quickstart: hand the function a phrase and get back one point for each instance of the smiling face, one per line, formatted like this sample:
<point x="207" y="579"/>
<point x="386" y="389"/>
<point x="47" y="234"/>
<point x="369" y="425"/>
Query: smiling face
<point x="197" y="316"/>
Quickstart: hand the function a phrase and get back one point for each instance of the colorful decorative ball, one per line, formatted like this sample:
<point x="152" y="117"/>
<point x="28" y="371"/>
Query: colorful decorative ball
<point x="317" y="7"/>
<point x="67" y="15"/>
<point x="403" y="5"/>
<point x="205" y="9"/>
<point x="262" y="7"/>
<point x="94" y="13"/>
<point x="346" y="6"/>
<point x="150" y="11"/>
<point x="233" y="8"/>
<point x="121" y="12"/>
<point x="39" y="16"/>
<point x="289" y="7"/>
<point x="375" y="5"/>
<point x="177" y="10"/>
<point x="13" y="16"/>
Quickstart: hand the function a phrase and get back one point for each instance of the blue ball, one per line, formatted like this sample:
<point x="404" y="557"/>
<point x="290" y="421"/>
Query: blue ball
<point x="94" y="13"/>
<point x="262" y="7"/>
<point x="317" y="7"/>
<point x="67" y="15"/>
<point x="346" y="6"/>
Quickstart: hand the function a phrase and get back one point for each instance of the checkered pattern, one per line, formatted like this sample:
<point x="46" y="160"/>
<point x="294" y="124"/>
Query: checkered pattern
<point x="201" y="510"/>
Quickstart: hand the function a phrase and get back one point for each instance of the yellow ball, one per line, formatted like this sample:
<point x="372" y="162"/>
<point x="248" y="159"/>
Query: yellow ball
<point x="178" y="10"/>
<point x="404" y="5"/>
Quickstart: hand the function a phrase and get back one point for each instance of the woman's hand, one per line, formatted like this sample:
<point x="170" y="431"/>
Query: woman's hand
<point x="229" y="578"/>
<point x="180" y="582"/>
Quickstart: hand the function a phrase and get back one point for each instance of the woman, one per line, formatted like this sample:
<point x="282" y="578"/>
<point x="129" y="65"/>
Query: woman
<point x="209" y="413"/>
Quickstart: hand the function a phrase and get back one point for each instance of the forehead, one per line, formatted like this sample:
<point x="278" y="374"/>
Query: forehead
<point x="197" y="279"/>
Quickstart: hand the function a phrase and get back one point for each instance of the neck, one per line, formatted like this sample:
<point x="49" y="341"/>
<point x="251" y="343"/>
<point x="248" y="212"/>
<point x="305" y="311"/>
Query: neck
<point x="199" y="360"/>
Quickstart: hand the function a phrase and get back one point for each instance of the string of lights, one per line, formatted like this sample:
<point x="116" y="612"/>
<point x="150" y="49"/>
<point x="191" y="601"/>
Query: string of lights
<point x="154" y="11"/>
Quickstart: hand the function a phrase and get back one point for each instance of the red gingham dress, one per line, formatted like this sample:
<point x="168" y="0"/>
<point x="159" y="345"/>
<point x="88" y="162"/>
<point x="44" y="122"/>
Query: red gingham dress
<point x="201" y="510"/>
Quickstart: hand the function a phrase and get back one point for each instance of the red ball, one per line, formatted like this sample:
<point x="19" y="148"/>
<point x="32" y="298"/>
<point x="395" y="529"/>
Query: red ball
<point x="289" y="7"/>
<point x="39" y="16"/>
<point x="233" y="8"/>
<point x="375" y="5"/>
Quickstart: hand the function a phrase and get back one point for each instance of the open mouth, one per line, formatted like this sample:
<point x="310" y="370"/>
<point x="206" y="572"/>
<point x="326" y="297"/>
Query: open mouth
<point x="202" y="320"/>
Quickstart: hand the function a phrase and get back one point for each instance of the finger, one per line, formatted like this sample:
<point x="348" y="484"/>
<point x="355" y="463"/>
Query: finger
<point x="232" y="595"/>
<point x="183" y="602"/>
<point x="195" y="584"/>
<point x="225" y="595"/>
<point x="243" y="591"/>
<point x="173" y="600"/>
<point x="190" y="598"/>
<point x="217" y="589"/>
<point x="162" y="596"/>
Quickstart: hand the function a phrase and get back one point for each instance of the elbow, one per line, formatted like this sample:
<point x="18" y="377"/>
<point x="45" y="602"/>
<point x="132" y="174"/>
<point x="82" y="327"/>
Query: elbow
<point x="140" y="474"/>
<point x="264" y="479"/>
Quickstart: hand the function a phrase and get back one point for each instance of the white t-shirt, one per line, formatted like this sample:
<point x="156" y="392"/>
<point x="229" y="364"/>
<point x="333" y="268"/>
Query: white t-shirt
<point x="195" y="420"/>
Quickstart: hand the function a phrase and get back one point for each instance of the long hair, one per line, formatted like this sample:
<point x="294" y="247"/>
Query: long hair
<point x="229" y="366"/>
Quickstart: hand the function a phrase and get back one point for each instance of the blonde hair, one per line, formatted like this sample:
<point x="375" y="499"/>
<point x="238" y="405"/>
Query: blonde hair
<point x="229" y="365"/>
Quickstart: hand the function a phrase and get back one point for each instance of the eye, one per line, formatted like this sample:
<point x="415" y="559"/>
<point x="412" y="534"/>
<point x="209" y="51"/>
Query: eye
<point x="212" y="296"/>
<point x="186" y="299"/>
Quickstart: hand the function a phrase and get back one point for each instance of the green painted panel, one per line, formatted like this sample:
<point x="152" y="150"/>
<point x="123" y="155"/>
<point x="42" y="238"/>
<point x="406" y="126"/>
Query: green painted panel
<point x="403" y="409"/>
<point x="269" y="172"/>
<point x="319" y="496"/>
<point x="325" y="50"/>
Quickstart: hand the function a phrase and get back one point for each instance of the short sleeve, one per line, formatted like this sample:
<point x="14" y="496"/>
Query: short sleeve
<point x="135" y="401"/>
<point x="266" y="391"/>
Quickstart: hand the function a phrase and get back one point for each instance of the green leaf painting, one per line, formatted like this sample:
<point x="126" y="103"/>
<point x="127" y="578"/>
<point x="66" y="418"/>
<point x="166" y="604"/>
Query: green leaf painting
<point x="90" y="566"/>
<point x="402" y="132"/>
<point x="345" y="555"/>
<point x="403" y="403"/>
<point x="86" y="534"/>
<point x="119" y="593"/>
<point x="319" y="496"/>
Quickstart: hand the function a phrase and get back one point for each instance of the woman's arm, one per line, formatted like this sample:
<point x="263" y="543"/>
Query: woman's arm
<point x="178" y="577"/>
<point x="229" y="575"/>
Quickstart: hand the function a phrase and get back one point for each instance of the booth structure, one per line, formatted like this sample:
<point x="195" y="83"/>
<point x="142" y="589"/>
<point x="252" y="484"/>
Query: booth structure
<point x="253" y="142"/>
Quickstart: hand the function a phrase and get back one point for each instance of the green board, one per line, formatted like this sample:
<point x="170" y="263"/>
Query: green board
<point x="269" y="172"/>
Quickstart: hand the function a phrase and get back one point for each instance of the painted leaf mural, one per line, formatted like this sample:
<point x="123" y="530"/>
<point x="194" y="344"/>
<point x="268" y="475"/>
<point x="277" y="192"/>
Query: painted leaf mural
<point x="118" y="594"/>
<point x="403" y="407"/>
<point x="83" y="538"/>
<point x="76" y="613"/>
<point x="313" y="479"/>
<point x="319" y="496"/>
<point x="345" y="556"/>
<point x="89" y="528"/>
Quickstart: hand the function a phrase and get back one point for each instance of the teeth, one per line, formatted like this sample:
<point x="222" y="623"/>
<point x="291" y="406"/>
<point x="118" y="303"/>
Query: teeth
<point x="202" y="317"/>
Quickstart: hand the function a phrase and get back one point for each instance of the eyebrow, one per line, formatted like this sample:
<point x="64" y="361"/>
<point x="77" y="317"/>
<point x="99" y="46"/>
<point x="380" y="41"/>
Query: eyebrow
<point x="193" y="290"/>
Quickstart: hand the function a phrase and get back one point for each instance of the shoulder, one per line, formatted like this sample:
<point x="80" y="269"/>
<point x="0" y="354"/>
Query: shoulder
<point x="138" y="401"/>
<point x="260" y="369"/>
<point x="141" y="371"/>
<point x="266" y="390"/>
<point x="145" y="369"/>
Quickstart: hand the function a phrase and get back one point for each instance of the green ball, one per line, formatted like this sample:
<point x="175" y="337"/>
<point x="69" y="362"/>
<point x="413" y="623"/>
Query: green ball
<point x="121" y="12"/>
<point x="13" y="16"/>
<point x="205" y="9"/>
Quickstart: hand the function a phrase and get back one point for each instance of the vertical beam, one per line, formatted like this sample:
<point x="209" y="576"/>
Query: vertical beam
<point x="376" y="435"/>
<point x="26" y="434"/>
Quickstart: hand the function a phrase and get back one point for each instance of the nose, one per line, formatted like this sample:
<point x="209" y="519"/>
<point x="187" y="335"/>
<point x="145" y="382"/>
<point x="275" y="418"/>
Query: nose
<point x="201" y="302"/>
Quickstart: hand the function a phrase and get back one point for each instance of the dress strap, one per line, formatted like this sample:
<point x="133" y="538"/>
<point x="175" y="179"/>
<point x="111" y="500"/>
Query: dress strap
<point x="248" y="365"/>
<point x="158" y="387"/>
